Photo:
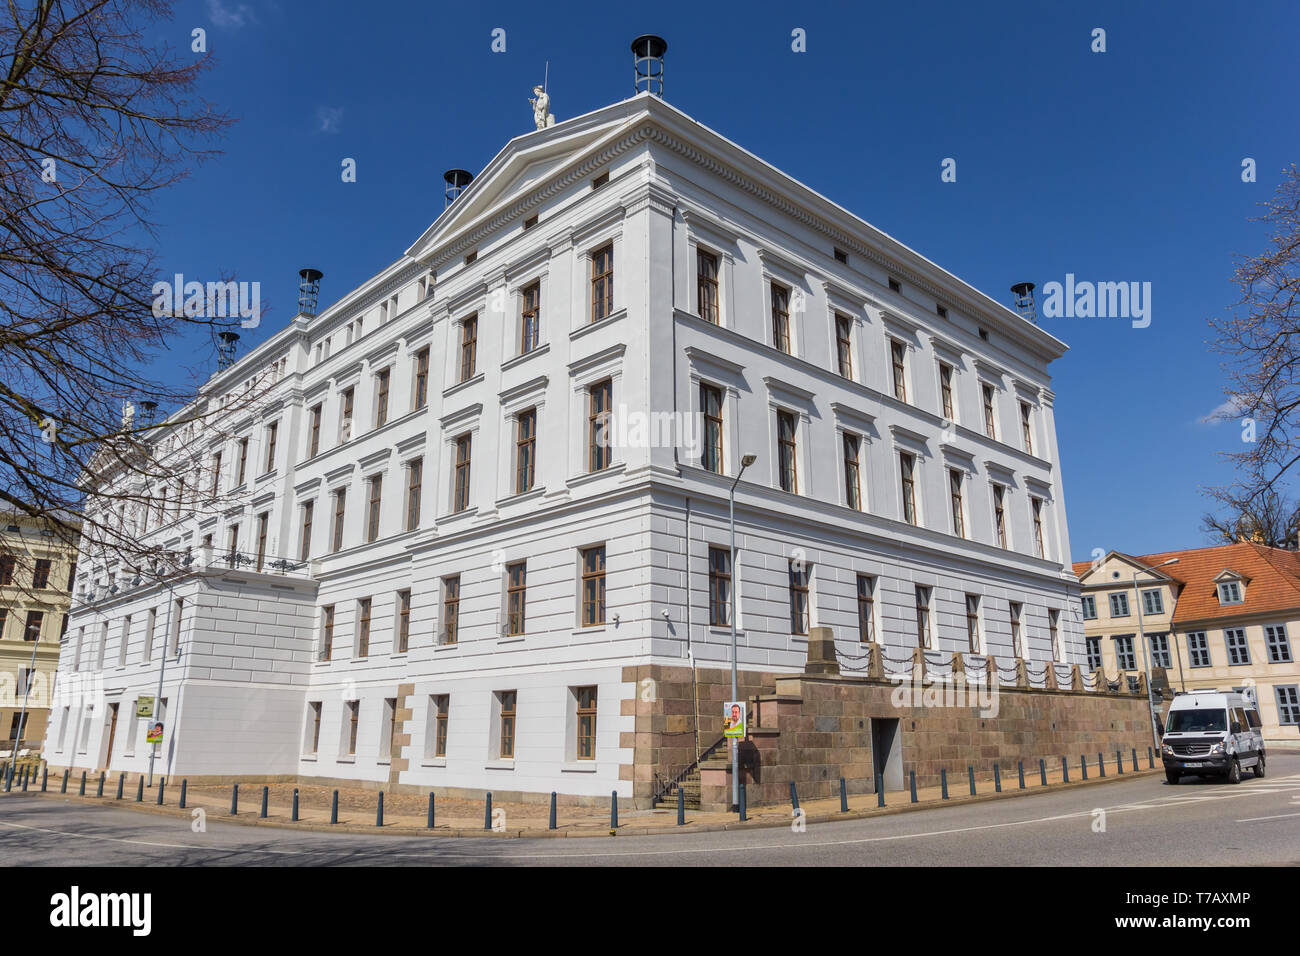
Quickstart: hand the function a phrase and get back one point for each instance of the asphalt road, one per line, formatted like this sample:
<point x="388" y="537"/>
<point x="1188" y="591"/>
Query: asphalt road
<point x="1140" y="821"/>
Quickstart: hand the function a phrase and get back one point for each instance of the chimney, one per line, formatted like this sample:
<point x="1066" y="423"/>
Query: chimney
<point x="226" y="350"/>
<point x="1023" y="301"/>
<point x="457" y="181"/>
<point x="648" y="59"/>
<point x="308" y="290"/>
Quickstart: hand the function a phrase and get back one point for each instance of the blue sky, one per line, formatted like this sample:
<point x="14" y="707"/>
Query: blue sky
<point x="1115" y="166"/>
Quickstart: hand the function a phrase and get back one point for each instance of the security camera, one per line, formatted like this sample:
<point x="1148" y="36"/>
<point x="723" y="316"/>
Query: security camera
<point x="665" y="613"/>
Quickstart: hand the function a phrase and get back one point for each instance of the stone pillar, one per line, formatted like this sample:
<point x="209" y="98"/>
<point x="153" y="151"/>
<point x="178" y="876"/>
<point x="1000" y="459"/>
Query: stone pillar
<point x="958" y="665"/>
<point x="1022" y="673"/>
<point x="1051" y="683"/>
<point x="875" y="662"/>
<point x="821" y="652"/>
<point x="918" y="664"/>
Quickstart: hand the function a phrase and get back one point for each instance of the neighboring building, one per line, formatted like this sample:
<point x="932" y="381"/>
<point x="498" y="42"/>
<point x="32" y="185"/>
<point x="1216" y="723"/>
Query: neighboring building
<point x="35" y="581"/>
<point x="1220" y="618"/>
<point x="490" y="482"/>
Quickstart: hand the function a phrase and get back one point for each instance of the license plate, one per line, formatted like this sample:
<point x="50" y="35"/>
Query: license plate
<point x="1194" y="763"/>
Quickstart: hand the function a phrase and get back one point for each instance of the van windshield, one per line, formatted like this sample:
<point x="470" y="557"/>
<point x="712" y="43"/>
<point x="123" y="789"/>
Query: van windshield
<point x="1197" y="722"/>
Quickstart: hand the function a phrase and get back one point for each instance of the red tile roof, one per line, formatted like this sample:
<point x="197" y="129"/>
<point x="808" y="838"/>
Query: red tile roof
<point x="1273" y="577"/>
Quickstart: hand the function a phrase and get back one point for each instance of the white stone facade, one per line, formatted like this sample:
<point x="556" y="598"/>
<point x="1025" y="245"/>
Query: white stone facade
<point x="246" y="668"/>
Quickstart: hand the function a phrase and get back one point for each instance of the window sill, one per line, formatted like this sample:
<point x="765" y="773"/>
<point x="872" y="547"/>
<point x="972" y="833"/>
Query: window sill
<point x="523" y="357"/>
<point x="460" y="386"/>
<point x="310" y="758"/>
<point x="598" y="324"/>
<point x="351" y="758"/>
<point x="616" y="468"/>
<point x="537" y="491"/>
<point x="458" y="515"/>
<point x="511" y="639"/>
<point x="446" y="646"/>
<point x="434" y="762"/>
<point x="579" y="766"/>
<point x="591" y="629"/>
<point x="499" y="765"/>
<point x="385" y="762"/>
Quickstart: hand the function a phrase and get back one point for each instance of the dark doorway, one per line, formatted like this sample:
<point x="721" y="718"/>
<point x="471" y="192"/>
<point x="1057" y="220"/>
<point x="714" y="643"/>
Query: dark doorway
<point x="887" y="752"/>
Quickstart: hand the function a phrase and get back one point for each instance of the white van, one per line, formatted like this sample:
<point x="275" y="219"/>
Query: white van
<point x="1208" y="733"/>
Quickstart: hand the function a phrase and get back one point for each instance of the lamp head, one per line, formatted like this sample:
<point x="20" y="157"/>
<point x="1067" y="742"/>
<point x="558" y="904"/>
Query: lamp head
<point x="748" y="460"/>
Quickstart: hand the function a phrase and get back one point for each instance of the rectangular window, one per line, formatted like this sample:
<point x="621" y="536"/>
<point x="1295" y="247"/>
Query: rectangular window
<point x="958" y="506"/>
<point x="354" y="720"/>
<point x="1288" y="704"/>
<point x="376" y="486"/>
<point x="326" y="632"/>
<point x="243" y="473"/>
<point x="600" y="445"/>
<point x="381" y="397"/>
<point x="1036" y="507"/>
<point x="124" y="643"/>
<point x="174" y="639"/>
<point x="990" y="415"/>
<point x="787" y="457"/>
<point x="897" y="355"/>
<point x="346" y="409"/>
<point x="516" y="598"/>
<point x="421" y="397"/>
<point x="1017" y="642"/>
<point x="844" y="344"/>
<point x="1089" y="605"/>
<point x="799" y="598"/>
<point x="706" y="285"/>
<point x="945" y="391"/>
<point x="1093" y="646"/>
<point x="1229" y="593"/>
<point x="506" y="700"/>
<point x="973" y="623"/>
<point x="922" y="616"/>
<point x="403" y="622"/>
<point x="1000" y="514"/>
<point x="463" y="450"/>
<point x="313" y="726"/>
<point x="450" y="609"/>
<point x="711" y="408"/>
<point x="525" y="450"/>
<point x="363" y="627"/>
<point x="313" y="445"/>
<point x="1054" y="634"/>
<point x="1160" y="656"/>
<point x="32" y="628"/>
<point x="1279" y="645"/>
<point x="907" y="476"/>
<point x="340" y="511"/>
<point x="468" y="347"/>
<point x="272" y="432"/>
<point x="41" y="573"/>
<point x="602" y="283"/>
<point x="866" y="608"/>
<point x="1027" y="426"/>
<point x="852" y="472"/>
<point x="1125" y="658"/>
<point x="1198" y="649"/>
<point x="414" y="482"/>
<point x="1234" y="638"/>
<point x="441" y="709"/>
<point x="781" y="318"/>
<point x="149" y="633"/>
<point x="530" y="318"/>
<point x="263" y="524"/>
<point x="215" y="487"/>
<point x="593" y="586"/>
<point x="719" y="587"/>
<point x="1153" y="602"/>
<point x="585" y="745"/>
<point x="1119" y="605"/>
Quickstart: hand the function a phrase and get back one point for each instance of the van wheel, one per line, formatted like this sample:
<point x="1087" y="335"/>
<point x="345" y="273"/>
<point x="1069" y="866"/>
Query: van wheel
<point x="1171" y="777"/>
<point x="1234" y="772"/>
<point x="1259" y="766"/>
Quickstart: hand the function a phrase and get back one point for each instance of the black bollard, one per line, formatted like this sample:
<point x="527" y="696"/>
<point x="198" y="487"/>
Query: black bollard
<point x="27" y="774"/>
<point x="613" y="810"/>
<point x="334" y="808"/>
<point x="487" y="812"/>
<point x="681" y="806"/>
<point x="234" y="799"/>
<point x="1119" y="760"/>
<point x="162" y="783"/>
<point x="1083" y="767"/>
<point x="1065" y="770"/>
<point x="266" y="799"/>
<point x="794" y="797"/>
<point x="1135" y="760"/>
<point x="1101" y="765"/>
<point x="943" y="783"/>
<point x="293" y="817"/>
<point x="997" y="779"/>
<point x="1020" y="768"/>
<point x="880" y="790"/>
<point x="139" y="792"/>
<point x="550" y="825"/>
<point x="64" y="788"/>
<point x="1151" y="761"/>
<point x="99" y="792"/>
<point x="844" y="797"/>
<point x="1042" y="770"/>
<point x="743" y="815"/>
<point x="430" y="821"/>
<point x="912" y="778"/>
<point x="971" y="772"/>
<point x="184" y="786"/>
<point x="45" y="775"/>
<point x="121" y="782"/>
<point x="82" y="791"/>
<point x="379" y="810"/>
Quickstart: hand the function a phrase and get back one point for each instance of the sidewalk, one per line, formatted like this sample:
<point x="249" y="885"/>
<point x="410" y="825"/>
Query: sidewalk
<point x="406" y="814"/>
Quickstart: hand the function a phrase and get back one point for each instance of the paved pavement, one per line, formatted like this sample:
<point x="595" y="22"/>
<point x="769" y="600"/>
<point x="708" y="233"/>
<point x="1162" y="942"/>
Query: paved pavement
<point x="1129" y="821"/>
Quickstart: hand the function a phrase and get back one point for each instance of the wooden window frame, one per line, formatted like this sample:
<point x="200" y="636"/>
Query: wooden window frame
<point x="712" y="401"/>
<point x="866" y="585"/>
<point x="374" y="506"/>
<point x="787" y="450"/>
<point x="706" y="286"/>
<point x="365" y="606"/>
<point x="516" y="598"/>
<point x="451" y="609"/>
<point x="600" y="447"/>
<point x="530" y="317"/>
<point x="907" y="480"/>
<point x="844" y="344"/>
<point x="414" y="490"/>
<point x="720" y="587"/>
<point x="593" y="586"/>
<point x="525" y="450"/>
<point x="800" y="598"/>
<point x="585" y="700"/>
<point x="852" y="470"/>
<point x="462" y="473"/>
<point x="781" y="318"/>
<point x="602" y="282"/>
<point x="468" y="347"/>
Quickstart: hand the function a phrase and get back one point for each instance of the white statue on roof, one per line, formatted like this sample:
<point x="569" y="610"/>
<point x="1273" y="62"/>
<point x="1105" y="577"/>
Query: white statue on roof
<point x="542" y="108"/>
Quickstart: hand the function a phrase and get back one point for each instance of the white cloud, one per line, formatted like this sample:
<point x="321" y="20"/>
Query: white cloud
<point x="328" y="118"/>
<point x="1234" y="407"/>
<point x="234" y="16"/>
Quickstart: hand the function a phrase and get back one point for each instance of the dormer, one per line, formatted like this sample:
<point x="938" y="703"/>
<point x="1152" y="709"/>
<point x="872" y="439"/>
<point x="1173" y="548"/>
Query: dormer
<point x="1231" y="587"/>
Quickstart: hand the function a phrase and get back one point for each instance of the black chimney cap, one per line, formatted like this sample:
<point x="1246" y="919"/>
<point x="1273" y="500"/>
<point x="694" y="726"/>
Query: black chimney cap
<point x="460" y="178"/>
<point x="649" y="45"/>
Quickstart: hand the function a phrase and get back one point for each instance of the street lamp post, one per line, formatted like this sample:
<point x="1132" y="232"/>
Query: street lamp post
<point x="745" y="462"/>
<point x="1142" y="640"/>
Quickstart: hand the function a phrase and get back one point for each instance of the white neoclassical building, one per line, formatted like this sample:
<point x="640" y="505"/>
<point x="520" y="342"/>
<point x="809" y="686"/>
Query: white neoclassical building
<point x="485" y="483"/>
